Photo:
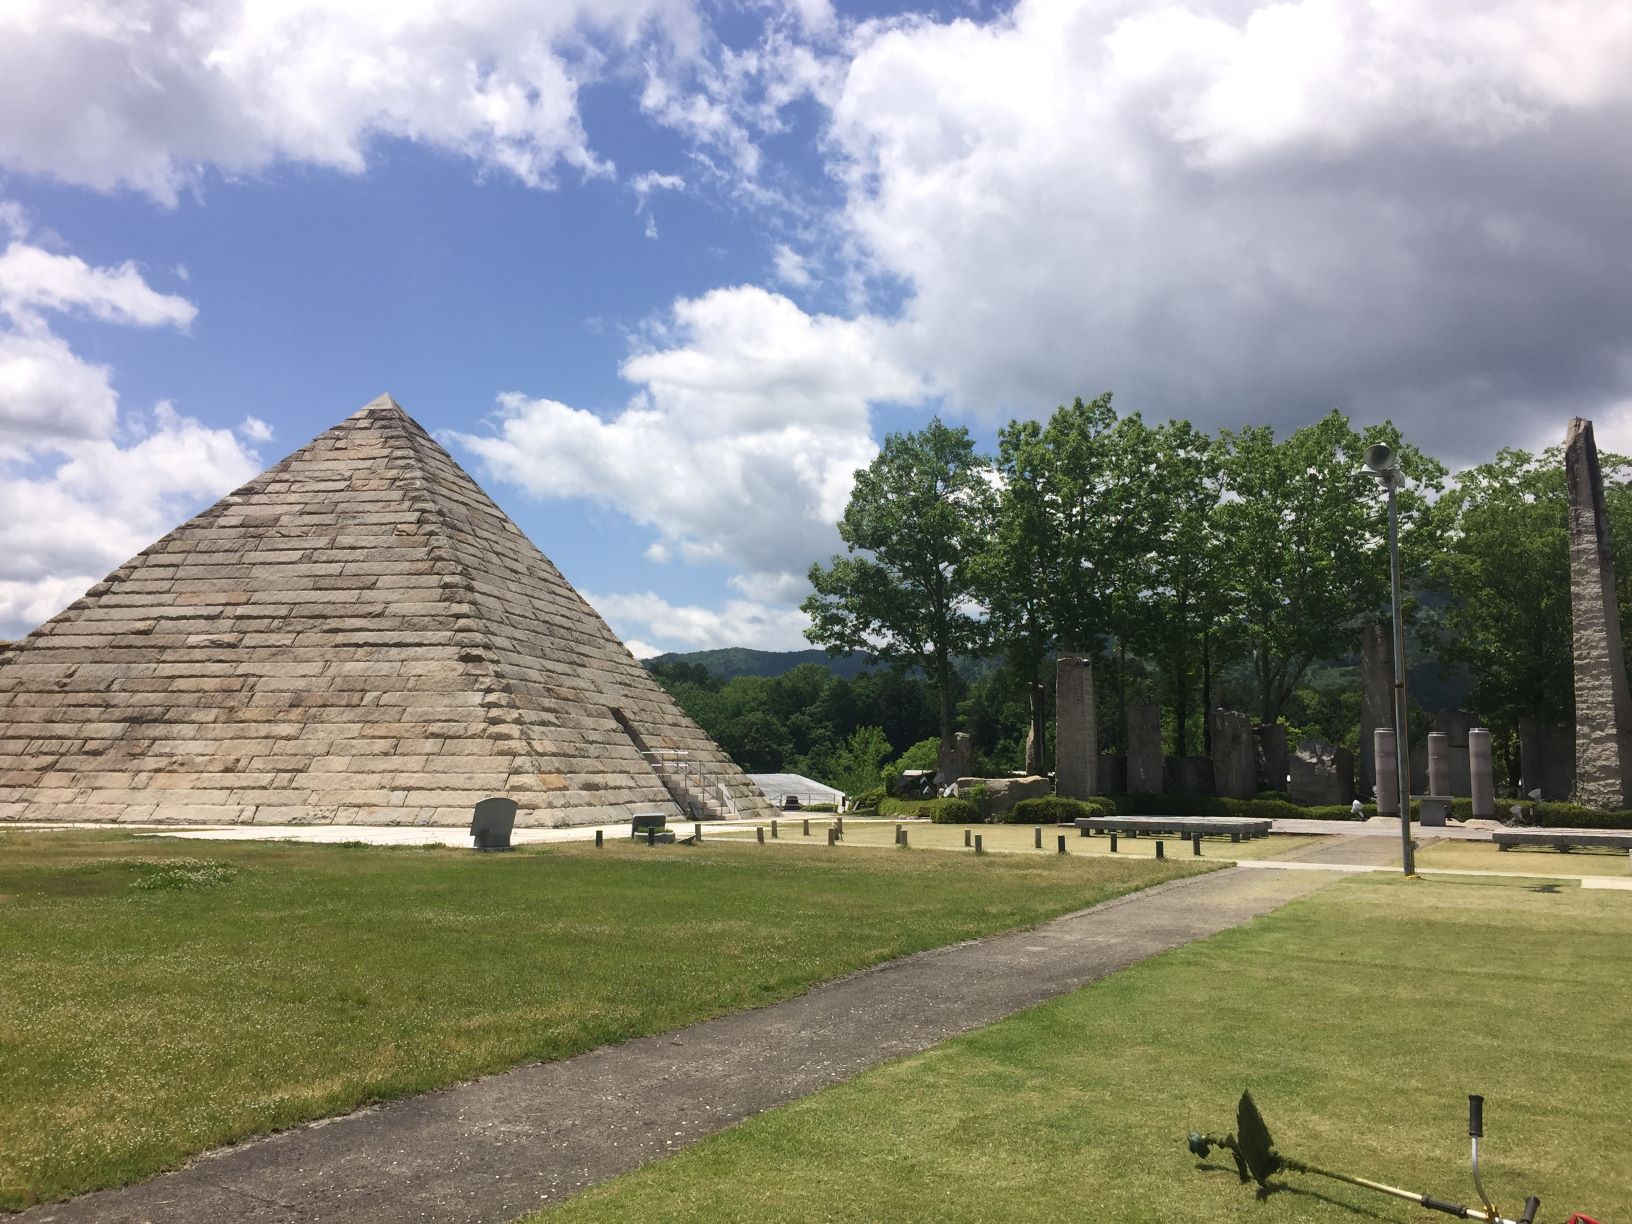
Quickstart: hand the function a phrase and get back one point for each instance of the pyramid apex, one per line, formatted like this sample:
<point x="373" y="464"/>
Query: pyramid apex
<point x="379" y="405"/>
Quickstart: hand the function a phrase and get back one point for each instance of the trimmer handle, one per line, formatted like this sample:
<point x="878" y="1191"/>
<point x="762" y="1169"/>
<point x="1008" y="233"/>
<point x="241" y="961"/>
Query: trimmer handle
<point x="1528" y="1215"/>
<point x="1476" y="1116"/>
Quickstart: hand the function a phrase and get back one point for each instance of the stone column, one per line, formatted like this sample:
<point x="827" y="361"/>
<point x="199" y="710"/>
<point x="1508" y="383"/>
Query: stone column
<point x="1603" y="704"/>
<point x="1145" y="750"/>
<point x="1481" y="774"/>
<point x="1076" y="728"/>
<point x="1456" y="724"/>
<point x="1235" y="756"/>
<point x="1272" y="755"/>
<point x="1439" y="763"/>
<point x="1386" y="769"/>
<point x="1376" y="695"/>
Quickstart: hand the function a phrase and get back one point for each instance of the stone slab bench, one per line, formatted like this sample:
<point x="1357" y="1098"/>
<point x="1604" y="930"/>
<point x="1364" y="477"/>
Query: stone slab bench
<point x="1207" y="826"/>
<point x="1563" y="839"/>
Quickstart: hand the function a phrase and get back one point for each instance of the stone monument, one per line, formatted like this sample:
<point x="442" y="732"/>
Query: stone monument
<point x="1456" y="724"/>
<point x="1439" y="763"/>
<point x="955" y="759"/>
<point x="1546" y="759"/>
<point x="1145" y="750"/>
<point x="1603" y="705"/>
<point x="1386" y="769"/>
<point x="1481" y="775"/>
<point x="1270" y="739"/>
<point x="1076" y="728"/>
<point x="1235" y="755"/>
<point x="1376" y="696"/>
<point x="1321" y="774"/>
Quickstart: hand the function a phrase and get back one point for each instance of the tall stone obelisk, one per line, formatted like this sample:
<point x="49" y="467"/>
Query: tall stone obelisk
<point x="1603" y="705"/>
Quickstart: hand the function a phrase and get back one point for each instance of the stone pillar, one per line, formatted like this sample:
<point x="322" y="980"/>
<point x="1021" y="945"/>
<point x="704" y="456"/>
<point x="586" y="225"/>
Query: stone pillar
<point x="1272" y="759"/>
<point x="1546" y="759"/>
<point x="1076" y="728"/>
<point x="955" y="760"/>
<point x="1376" y="695"/>
<point x="1481" y="774"/>
<point x="1439" y="763"/>
<point x="1386" y="769"/>
<point x="1145" y="750"/>
<point x="1235" y="757"/>
<point x="1603" y="704"/>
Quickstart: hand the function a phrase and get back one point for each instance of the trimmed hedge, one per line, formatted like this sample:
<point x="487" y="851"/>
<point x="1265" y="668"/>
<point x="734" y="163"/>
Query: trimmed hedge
<point x="1243" y="809"/>
<point x="1055" y="809"/>
<point x="1549" y="814"/>
<point x="870" y="798"/>
<point x="939" y="811"/>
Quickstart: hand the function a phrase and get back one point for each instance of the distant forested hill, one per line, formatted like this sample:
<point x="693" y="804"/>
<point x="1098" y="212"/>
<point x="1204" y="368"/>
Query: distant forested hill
<point x="734" y="661"/>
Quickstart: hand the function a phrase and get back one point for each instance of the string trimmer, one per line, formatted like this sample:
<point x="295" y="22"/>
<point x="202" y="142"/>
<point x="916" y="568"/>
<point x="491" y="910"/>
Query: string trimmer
<point x="1256" y="1160"/>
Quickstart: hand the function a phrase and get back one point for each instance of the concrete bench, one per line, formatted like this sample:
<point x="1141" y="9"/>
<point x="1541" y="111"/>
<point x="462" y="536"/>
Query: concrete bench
<point x="1207" y="826"/>
<point x="1432" y="810"/>
<point x="1563" y="839"/>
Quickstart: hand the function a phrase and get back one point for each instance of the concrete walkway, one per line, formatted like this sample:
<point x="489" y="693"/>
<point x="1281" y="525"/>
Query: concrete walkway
<point x="495" y="1148"/>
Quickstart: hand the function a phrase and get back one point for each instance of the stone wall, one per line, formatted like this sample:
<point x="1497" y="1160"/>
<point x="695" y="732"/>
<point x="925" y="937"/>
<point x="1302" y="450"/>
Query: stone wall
<point x="1076" y="728"/>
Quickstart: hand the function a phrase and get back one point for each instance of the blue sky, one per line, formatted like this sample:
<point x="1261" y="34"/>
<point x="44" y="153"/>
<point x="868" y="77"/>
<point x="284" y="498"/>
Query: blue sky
<point x="661" y="273"/>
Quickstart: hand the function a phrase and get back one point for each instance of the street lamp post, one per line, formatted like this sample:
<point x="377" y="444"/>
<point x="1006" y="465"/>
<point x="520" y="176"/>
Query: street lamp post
<point x="1380" y="463"/>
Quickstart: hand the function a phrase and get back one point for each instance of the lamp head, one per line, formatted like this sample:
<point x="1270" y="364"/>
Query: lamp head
<point x="1380" y="458"/>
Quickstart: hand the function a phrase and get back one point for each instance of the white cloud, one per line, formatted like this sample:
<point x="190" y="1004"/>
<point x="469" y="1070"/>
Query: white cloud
<point x="256" y="430"/>
<point x="741" y="447"/>
<point x="48" y="393"/>
<point x="740" y="622"/>
<point x="791" y="267"/>
<point x="33" y="280"/>
<point x="1254" y="211"/>
<point x="82" y="486"/>
<point x="144" y="93"/>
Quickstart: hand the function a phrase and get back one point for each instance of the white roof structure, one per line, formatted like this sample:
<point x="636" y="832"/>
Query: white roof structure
<point x="778" y="786"/>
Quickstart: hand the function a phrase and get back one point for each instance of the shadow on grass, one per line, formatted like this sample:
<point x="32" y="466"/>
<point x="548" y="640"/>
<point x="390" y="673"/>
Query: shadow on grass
<point x="1294" y="1191"/>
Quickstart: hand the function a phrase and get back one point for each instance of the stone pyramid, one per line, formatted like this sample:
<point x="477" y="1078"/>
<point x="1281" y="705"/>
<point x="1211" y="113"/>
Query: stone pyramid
<point x="357" y="636"/>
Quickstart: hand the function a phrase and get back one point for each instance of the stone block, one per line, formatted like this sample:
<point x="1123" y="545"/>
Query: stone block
<point x="1112" y="774"/>
<point x="1144" y="750"/>
<point x="1235" y="756"/>
<point x="1001" y="794"/>
<point x="1269" y="741"/>
<point x="1546" y="759"/>
<point x="1076" y="728"/>
<point x="1321" y="774"/>
<point x="1188" y="776"/>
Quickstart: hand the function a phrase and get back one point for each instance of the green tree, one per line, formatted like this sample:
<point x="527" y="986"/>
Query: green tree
<point x="858" y="763"/>
<point x="1305" y="543"/>
<point x="904" y="594"/>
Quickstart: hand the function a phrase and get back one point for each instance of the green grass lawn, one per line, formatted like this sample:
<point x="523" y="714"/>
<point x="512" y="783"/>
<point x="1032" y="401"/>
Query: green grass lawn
<point x="1487" y="856"/>
<point x="1360" y="1018"/>
<point x="925" y="836"/>
<point x="154" y="1007"/>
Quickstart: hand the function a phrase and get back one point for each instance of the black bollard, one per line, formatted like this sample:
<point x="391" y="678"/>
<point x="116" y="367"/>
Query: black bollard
<point x="697" y="830"/>
<point x="651" y="837"/>
<point x="773" y="828"/>
<point x="840" y="822"/>
<point x="832" y="836"/>
<point x="599" y="835"/>
<point x="979" y="849"/>
<point x="966" y="842"/>
<point x="1037" y="837"/>
<point x="1195" y="844"/>
<point x="807" y="826"/>
<point x="1062" y="843"/>
<point x="1159" y="852"/>
<point x="760" y="833"/>
<point x="1113" y="843"/>
<point x="903" y="839"/>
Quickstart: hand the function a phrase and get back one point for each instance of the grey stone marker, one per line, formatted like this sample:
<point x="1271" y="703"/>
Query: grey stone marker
<point x="760" y="831"/>
<point x="1145" y="749"/>
<point x="1376" y="702"/>
<point x="1385" y="769"/>
<point x="1603" y="704"/>
<point x="491" y="822"/>
<point x="1076" y="729"/>
<point x="1273" y="762"/>
<point x="1235" y="755"/>
<point x="1481" y="775"/>
<point x="1439" y="763"/>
